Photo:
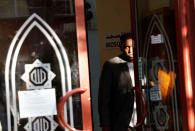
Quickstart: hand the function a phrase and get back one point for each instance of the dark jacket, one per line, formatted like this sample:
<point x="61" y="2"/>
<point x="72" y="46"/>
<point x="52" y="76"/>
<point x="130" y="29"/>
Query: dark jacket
<point x="115" y="95"/>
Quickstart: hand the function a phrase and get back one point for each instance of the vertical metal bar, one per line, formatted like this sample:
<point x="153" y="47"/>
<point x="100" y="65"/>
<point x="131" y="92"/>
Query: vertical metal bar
<point x="184" y="64"/>
<point x="8" y="106"/>
<point x="83" y="64"/>
<point x="134" y="25"/>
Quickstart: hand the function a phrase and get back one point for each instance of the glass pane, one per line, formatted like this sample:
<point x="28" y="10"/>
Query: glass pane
<point x="35" y="38"/>
<point x="158" y="59"/>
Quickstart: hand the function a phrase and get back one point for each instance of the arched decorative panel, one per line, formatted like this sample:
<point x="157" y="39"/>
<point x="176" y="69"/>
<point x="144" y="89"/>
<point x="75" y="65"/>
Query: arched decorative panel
<point x="60" y="53"/>
<point x="160" y="77"/>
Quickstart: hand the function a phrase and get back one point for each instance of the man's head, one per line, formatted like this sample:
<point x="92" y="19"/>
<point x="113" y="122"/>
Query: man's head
<point x="127" y="45"/>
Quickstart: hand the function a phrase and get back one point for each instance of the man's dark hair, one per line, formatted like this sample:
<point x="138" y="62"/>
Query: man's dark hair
<point x="124" y="37"/>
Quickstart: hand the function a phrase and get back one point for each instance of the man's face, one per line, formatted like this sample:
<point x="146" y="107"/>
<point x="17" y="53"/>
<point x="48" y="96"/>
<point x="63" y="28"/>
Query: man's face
<point x="128" y="48"/>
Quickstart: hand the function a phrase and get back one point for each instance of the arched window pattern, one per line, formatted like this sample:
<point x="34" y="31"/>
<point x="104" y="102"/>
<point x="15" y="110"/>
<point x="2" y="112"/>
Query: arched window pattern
<point x="63" y="62"/>
<point x="40" y="46"/>
<point x="160" y="74"/>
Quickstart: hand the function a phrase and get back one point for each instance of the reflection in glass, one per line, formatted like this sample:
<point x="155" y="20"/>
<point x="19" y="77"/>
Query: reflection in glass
<point x="161" y="77"/>
<point x="158" y="57"/>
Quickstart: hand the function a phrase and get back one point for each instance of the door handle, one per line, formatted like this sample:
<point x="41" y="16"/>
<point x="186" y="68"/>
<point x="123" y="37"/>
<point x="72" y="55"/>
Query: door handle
<point x="60" y="109"/>
<point x="144" y="107"/>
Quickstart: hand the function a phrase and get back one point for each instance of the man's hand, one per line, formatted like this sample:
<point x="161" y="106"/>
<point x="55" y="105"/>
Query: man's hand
<point x="106" y="128"/>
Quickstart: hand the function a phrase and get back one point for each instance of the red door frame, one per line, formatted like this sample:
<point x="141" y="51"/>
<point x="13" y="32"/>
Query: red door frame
<point x="133" y="30"/>
<point x="185" y="29"/>
<point x="83" y="64"/>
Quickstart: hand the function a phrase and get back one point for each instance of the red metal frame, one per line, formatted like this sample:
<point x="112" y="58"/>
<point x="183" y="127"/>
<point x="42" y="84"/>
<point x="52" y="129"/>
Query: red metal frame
<point x="182" y="17"/>
<point x="61" y="103"/>
<point x="83" y="64"/>
<point x="133" y="30"/>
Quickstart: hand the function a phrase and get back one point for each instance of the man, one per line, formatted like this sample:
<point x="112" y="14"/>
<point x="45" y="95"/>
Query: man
<point x="116" y="97"/>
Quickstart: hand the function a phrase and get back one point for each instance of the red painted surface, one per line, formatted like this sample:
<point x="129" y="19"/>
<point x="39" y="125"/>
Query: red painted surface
<point x="191" y="25"/>
<point x="133" y="30"/>
<point x="185" y="43"/>
<point x="83" y="64"/>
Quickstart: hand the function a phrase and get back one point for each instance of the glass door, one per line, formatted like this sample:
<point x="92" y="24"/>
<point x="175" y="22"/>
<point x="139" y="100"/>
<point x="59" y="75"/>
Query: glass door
<point x="43" y="57"/>
<point x="157" y="62"/>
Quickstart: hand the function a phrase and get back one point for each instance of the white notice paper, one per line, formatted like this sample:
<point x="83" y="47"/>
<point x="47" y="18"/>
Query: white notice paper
<point x="36" y="103"/>
<point x="157" y="39"/>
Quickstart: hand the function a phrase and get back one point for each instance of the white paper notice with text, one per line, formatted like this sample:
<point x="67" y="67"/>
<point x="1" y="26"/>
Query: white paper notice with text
<point x="36" y="103"/>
